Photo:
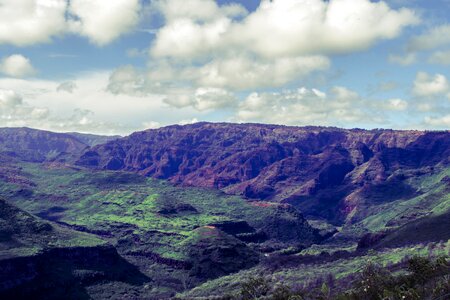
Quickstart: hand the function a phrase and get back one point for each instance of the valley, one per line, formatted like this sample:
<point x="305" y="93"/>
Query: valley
<point x="194" y="211"/>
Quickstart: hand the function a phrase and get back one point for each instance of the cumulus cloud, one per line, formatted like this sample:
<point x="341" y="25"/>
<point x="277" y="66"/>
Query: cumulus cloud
<point x="28" y="22"/>
<point x="426" y="85"/>
<point x="129" y="81"/>
<point x="199" y="10"/>
<point x="9" y="99"/>
<point x="103" y="21"/>
<point x="16" y="65"/>
<point x="284" y="28"/>
<point x="204" y="44"/>
<point x="433" y="38"/>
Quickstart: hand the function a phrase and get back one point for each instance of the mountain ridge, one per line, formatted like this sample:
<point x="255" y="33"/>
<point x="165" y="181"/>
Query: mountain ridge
<point x="277" y="163"/>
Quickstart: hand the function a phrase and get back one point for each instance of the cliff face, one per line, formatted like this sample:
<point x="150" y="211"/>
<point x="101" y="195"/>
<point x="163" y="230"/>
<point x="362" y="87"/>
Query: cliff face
<point x="316" y="169"/>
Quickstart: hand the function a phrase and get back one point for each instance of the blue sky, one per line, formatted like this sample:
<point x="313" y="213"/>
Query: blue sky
<point x="119" y="66"/>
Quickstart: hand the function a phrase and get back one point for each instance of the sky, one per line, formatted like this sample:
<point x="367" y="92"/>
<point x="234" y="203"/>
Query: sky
<point x="118" y="66"/>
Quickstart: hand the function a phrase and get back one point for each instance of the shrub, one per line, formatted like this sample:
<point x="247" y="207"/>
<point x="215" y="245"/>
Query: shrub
<point x="254" y="288"/>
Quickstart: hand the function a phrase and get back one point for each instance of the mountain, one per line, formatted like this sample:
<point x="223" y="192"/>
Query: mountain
<point x="325" y="172"/>
<point x="40" y="145"/>
<point x="37" y="145"/>
<point x="206" y="211"/>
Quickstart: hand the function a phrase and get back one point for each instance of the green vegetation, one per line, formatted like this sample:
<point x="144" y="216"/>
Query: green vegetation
<point x="168" y="233"/>
<point x="152" y="223"/>
<point x="306" y="277"/>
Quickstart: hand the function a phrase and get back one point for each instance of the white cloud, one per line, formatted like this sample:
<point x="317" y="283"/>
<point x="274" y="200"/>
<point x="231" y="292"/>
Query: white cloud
<point x="284" y="28"/>
<point x="198" y="10"/>
<point x="204" y="44"/>
<point x="89" y="108"/>
<point x="426" y="85"/>
<point x="296" y="27"/>
<point x="242" y="72"/>
<point x="9" y="99"/>
<point x="127" y="80"/>
<point x="150" y="125"/>
<point x="305" y="107"/>
<point x="16" y="65"/>
<point x="433" y="38"/>
<point x="103" y="21"/>
<point x="440" y="57"/>
<point x="438" y="122"/>
<point x="404" y="60"/>
<point x="396" y="105"/>
<point x="202" y="99"/>
<point x="13" y="110"/>
<point x="28" y="22"/>
<point x="186" y="122"/>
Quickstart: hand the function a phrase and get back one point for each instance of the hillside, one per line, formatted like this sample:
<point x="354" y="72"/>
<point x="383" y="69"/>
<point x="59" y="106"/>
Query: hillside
<point x="38" y="145"/>
<point x="325" y="172"/>
<point x="43" y="260"/>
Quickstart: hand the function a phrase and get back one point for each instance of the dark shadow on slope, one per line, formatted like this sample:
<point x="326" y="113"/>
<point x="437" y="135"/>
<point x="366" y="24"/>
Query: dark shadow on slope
<point x="65" y="273"/>
<point x="427" y="229"/>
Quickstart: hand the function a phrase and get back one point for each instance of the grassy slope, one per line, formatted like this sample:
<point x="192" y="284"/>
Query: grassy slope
<point x="414" y="223"/>
<point x="108" y="200"/>
<point x="126" y="210"/>
<point x="22" y="234"/>
<point x="308" y="276"/>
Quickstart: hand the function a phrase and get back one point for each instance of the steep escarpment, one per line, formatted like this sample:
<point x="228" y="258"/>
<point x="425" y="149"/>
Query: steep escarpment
<point x="323" y="171"/>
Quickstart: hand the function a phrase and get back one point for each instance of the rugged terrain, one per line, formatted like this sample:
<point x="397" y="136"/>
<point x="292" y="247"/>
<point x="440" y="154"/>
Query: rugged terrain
<point x="201" y="208"/>
<point x="326" y="172"/>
